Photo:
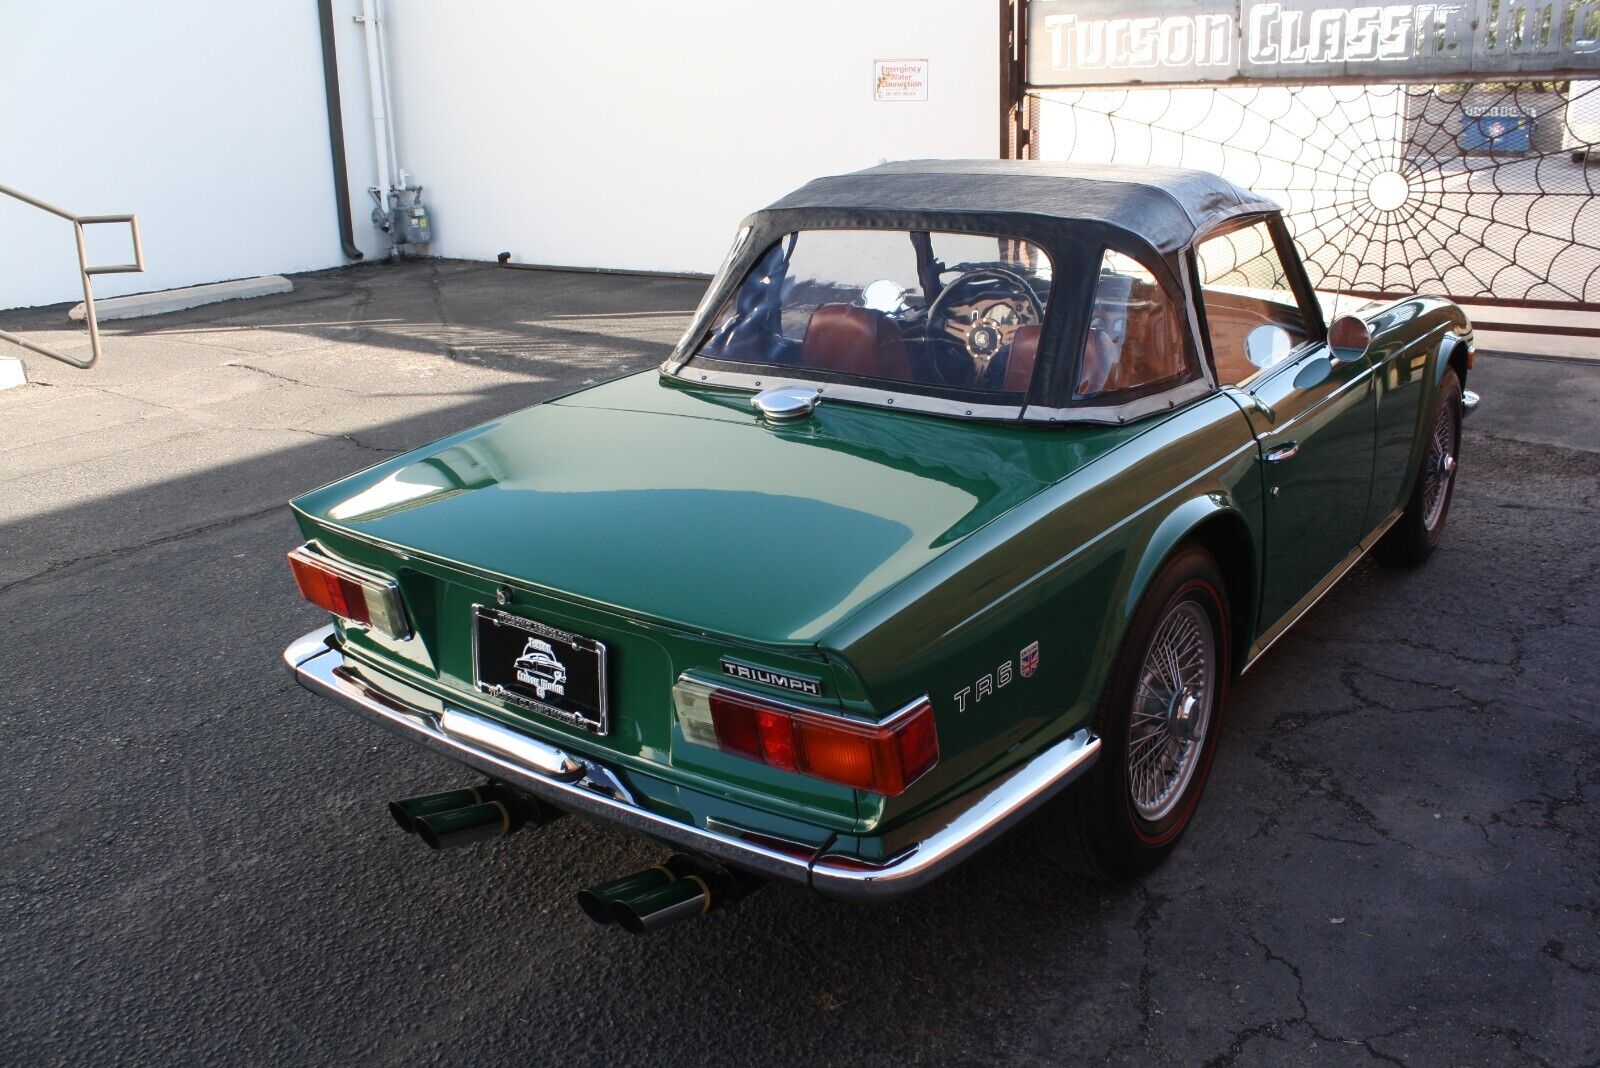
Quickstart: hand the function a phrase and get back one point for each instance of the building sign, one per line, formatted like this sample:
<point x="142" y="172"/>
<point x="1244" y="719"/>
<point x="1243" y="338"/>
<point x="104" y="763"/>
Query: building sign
<point x="900" y="79"/>
<point x="1483" y="130"/>
<point x="1114" y="42"/>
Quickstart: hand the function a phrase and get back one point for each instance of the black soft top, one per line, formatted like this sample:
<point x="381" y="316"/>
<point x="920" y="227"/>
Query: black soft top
<point x="1162" y="206"/>
<point x="1074" y="213"/>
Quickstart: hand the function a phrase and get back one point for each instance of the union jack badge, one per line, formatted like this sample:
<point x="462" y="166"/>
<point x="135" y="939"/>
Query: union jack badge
<point x="1030" y="660"/>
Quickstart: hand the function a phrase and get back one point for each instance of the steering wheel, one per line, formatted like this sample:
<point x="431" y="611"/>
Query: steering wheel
<point x="983" y="340"/>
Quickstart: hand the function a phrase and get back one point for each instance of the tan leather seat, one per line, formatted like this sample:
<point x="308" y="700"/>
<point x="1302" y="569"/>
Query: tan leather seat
<point x="855" y="341"/>
<point x="1024" y="354"/>
<point x="1151" y="351"/>
<point x="1099" y="364"/>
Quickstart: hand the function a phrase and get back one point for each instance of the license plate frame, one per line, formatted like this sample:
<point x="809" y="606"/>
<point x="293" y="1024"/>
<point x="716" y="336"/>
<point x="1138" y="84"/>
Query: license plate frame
<point x="557" y="674"/>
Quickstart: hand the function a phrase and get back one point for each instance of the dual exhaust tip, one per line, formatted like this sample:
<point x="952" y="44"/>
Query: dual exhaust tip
<point x="680" y="888"/>
<point x="461" y="817"/>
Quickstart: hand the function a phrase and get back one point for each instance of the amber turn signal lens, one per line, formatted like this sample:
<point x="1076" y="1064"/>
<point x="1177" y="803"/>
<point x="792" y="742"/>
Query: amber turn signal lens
<point x="882" y="758"/>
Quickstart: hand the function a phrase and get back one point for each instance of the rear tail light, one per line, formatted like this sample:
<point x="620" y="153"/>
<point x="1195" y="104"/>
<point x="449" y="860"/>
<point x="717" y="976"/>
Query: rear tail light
<point x="350" y="593"/>
<point x="882" y="758"/>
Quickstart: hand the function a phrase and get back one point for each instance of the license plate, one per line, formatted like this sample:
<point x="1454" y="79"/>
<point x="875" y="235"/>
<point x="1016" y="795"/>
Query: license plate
<point x="541" y="668"/>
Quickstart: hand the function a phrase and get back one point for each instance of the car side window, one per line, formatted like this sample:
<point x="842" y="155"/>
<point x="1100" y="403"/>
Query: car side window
<point x="1135" y="335"/>
<point x="1252" y="316"/>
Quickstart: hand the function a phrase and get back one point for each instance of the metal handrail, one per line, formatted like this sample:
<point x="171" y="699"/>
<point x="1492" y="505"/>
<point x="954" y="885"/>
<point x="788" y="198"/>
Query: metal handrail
<point x="84" y="271"/>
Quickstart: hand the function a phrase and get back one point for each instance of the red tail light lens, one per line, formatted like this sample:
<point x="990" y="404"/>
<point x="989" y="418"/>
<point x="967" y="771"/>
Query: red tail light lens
<point x="347" y="592"/>
<point x="883" y="758"/>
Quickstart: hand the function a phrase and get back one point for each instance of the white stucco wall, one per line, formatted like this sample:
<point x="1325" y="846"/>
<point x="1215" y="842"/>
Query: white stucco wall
<point x="627" y="134"/>
<point x="636" y="133"/>
<point x="206" y="119"/>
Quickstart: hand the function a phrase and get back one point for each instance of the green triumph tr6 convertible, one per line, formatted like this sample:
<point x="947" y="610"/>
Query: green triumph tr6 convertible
<point x="969" y="481"/>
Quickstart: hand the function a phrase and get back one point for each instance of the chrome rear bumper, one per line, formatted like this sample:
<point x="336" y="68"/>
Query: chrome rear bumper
<point x="934" y="844"/>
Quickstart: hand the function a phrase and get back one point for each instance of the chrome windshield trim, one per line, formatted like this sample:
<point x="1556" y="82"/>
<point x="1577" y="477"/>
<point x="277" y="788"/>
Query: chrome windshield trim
<point x="877" y="398"/>
<point x="924" y="850"/>
<point x="925" y="405"/>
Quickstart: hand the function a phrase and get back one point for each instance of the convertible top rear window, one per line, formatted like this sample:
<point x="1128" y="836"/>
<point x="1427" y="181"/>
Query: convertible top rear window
<point x="923" y="310"/>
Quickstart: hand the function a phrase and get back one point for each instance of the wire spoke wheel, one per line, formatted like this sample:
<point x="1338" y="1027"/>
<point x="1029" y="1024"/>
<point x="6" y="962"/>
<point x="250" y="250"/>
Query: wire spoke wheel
<point x="1171" y="711"/>
<point x="1440" y="467"/>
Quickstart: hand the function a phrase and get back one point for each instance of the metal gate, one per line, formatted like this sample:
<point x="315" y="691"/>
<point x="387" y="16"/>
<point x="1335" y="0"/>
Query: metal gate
<point x="1480" y="180"/>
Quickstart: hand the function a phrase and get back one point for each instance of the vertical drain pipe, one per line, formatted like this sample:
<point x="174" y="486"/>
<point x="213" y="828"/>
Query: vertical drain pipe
<point x="341" y="172"/>
<point x="397" y="174"/>
<point x="380" y="116"/>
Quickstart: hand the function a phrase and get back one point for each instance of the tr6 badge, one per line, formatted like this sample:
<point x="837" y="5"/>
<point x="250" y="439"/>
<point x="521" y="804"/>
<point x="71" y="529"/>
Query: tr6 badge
<point x="987" y="685"/>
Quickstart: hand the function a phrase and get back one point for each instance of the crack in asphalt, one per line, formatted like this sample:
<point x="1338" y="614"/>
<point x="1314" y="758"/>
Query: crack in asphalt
<point x="203" y="422"/>
<point x="297" y="381"/>
<point x="1556" y="949"/>
<point x="1274" y="1027"/>
<point x="126" y="550"/>
<point x="1515" y="1035"/>
<point x="1150" y="906"/>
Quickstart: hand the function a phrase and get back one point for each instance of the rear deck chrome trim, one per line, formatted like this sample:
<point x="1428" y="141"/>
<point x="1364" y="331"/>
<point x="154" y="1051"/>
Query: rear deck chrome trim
<point x="933" y="844"/>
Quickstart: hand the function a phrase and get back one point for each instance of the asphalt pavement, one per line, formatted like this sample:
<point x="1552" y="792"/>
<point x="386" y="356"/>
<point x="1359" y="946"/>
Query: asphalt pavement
<point x="1397" y="859"/>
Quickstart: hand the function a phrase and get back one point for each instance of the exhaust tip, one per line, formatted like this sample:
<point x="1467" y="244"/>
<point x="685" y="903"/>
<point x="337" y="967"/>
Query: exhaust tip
<point x="597" y="901"/>
<point x="429" y="836"/>
<point x="627" y="919"/>
<point x="681" y="888"/>
<point x="475" y="823"/>
<point x="408" y="812"/>
<point x="683" y="899"/>
<point x="595" y="907"/>
<point x="402" y="817"/>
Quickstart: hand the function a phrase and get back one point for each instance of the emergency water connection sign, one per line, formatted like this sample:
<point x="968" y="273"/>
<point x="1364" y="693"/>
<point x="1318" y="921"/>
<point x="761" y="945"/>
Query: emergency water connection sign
<point x="900" y="79"/>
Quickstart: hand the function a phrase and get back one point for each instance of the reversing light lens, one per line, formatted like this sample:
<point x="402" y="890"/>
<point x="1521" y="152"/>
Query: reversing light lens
<point x="349" y="594"/>
<point x="882" y="758"/>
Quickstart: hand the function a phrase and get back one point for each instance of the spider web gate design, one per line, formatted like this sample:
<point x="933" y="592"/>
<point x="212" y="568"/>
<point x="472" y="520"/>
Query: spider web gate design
<point x="1485" y="191"/>
<point x="1376" y="184"/>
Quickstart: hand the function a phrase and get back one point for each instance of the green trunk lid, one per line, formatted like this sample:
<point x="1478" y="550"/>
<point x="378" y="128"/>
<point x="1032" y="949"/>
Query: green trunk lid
<point x="680" y="506"/>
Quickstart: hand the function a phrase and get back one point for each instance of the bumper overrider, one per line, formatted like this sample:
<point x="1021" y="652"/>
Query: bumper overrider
<point x="932" y="845"/>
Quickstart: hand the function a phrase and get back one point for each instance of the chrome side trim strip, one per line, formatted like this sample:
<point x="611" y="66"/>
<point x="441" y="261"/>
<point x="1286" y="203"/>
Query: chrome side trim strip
<point x="1318" y="592"/>
<point x="936" y="842"/>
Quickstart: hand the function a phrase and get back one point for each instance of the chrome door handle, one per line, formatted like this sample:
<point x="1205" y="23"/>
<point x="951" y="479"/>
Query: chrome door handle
<point x="1279" y="453"/>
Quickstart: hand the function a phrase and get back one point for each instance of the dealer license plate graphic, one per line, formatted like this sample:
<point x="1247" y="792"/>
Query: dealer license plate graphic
<point x="541" y="668"/>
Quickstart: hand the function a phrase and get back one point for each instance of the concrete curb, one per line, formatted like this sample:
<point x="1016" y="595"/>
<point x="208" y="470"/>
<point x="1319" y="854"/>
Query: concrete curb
<point x="12" y="373"/>
<point x="170" y="300"/>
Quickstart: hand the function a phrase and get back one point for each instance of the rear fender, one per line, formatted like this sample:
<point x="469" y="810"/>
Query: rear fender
<point x="1215" y="522"/>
